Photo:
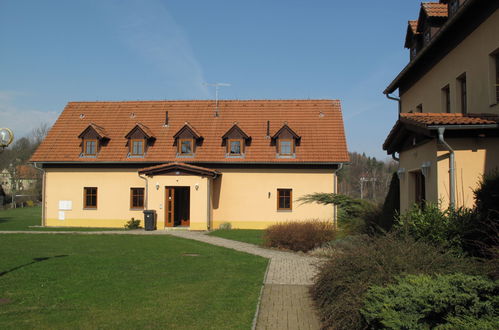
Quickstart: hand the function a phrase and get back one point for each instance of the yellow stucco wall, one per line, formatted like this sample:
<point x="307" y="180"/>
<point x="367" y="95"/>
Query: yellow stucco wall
<point x="410" y="161"/>
<point x="240" y="197"/>
<point x="473" y="158"/>
<point x="247" y="198"/>
<point x="471" y="56"/>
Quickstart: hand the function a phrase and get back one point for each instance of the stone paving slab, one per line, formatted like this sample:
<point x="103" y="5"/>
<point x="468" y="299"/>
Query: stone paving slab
<point x="286" y="307"/>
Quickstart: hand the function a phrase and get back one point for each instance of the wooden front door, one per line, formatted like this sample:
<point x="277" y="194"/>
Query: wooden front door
<point x="169" y="207"/>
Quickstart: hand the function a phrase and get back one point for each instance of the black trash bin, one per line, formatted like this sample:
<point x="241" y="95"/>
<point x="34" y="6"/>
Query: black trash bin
<point x="150" y="219"/>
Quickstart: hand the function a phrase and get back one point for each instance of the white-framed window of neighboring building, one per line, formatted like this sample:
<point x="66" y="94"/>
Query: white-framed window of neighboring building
<point x="462" y="87"/>
<point x="446" y="99"/>
<point x="494" y="77"/>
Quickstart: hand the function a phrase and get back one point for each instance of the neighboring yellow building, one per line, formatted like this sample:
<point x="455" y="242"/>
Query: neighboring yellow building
<point x="447" y="134"/>
<point x="196" y="163"/>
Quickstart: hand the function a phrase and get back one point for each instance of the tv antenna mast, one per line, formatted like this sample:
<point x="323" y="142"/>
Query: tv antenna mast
<point x="217" y="87"/>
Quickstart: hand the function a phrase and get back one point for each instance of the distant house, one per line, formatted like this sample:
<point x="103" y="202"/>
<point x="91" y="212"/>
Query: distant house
<point x="447" y="133"/>
<point x="196" y="163"/>
<point x="22" y="178"/>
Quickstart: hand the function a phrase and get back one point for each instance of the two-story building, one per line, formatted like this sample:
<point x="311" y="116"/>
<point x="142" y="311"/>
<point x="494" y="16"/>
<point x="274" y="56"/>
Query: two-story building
<point x="447" y="136"/>
<point x="196" y="163"/>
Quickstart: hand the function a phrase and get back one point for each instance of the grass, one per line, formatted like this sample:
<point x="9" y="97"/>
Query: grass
<point x="252" y="236"/>
<point x="125" y="281"/>
<point x="23" y="218"/>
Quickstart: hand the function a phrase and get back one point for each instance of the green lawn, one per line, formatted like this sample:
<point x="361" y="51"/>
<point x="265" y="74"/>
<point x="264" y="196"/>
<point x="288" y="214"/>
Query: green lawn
<point x="23" y="218"/>
<point x="252" y="236"/>
<point x="130" y="282"/>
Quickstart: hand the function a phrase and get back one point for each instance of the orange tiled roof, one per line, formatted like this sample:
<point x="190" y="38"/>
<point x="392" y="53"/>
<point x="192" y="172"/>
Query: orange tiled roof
<point x="435" y="9"/>
<point x="318" y="122"/>
<point x="435" y="119"/>
<point x="178" y="166"/>
<point x="428" y="119"/>
<point x="414" y="26"/>
<point x="26" y="172"/>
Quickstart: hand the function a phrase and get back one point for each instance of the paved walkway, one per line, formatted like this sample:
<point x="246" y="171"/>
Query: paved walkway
<point x="285" y="302"/>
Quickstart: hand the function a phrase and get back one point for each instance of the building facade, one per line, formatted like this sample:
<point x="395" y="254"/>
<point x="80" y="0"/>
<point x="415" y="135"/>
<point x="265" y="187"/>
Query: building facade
<point x="197" y="164"/>
<point x="446" y="137"/>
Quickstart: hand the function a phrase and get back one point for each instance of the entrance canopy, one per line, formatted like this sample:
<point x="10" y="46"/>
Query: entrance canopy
<point x="177" y="168"/>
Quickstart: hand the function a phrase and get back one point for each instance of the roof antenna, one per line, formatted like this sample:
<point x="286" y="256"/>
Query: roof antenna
<point x="217" y="86"/>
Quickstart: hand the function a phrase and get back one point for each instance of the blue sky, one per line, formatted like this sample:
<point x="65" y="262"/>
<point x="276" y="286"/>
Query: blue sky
<point x="55" y="51"/>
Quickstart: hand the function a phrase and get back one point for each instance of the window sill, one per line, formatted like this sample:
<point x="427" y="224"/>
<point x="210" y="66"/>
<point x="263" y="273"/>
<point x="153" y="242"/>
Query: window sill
<point x="234" y="156"/>
<point x="285" y="156"/>
<point x="284" y="210"/>
<point x="88" y="156"/>
<point x="185" y="155"/>
<point x="136" y="209"/>
<point x="89" y="208"/>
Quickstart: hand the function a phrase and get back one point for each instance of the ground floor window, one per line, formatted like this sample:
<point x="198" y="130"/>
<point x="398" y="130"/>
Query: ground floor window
<point x="136" y="198"/>
<point x="419" y="188"/>
<point x="90" y="197"/>
<point x="284" y="199"/>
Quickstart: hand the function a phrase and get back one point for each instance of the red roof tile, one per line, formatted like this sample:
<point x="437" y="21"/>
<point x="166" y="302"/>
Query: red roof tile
<point x="318" y="122"/>
<point x="414" y="26"/>
<point x="428" y="119"/>
<point x="435" y="9"/>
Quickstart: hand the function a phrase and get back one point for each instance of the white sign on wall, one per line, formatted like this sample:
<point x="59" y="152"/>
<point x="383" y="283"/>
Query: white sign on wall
<point x="65" y="205"/>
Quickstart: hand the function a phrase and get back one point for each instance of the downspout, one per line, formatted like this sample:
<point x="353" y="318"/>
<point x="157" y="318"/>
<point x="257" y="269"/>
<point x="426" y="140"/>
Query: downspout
<point x="452" y="188"/>
<point x="147" y="191"/>
<point x="395" y="158"/>
<point x="395" y="99"/>
<point x="335" y="191"/>
<point x="43" y="192"/>
<point x="208" y="206"/>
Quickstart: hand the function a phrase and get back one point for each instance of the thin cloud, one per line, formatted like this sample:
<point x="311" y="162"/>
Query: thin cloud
<point x="148" y="28"/>
<point x="21" y="120"/>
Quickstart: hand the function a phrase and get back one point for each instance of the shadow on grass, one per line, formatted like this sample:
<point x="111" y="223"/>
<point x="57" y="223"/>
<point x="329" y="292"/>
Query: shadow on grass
<point x="35" y="260"/>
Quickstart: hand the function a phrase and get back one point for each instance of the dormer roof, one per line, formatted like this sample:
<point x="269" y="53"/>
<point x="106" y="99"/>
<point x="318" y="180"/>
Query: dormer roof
<point x="412" y="27"/>
<point x="188" y="128"/>
<point x="431" y="13"/>
<point x="286" y="128"/>
<point x="143" y="129"/>
<point x="100" y="131"/>
<point x="235" y="129"/>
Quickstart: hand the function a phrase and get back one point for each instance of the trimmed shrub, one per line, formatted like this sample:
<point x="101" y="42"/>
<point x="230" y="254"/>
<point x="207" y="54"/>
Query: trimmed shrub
<point x="351" y="211"/>
<point x="482" y="239"/>
<point x="299" y="236"/>
<point x="132" y="224"/>
<point x="453" y="301"/>
<point x="225" y="226"/>
<point x="364" y="261"/>
<point x="442" y="227"/>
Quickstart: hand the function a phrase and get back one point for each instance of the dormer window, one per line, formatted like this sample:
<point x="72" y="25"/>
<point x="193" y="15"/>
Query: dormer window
<point x="235" y="141"/>
<point x="186" y="147"/>
<point x="90" y="147"/>
<point x="286" y="141"/>
<point x="93" y="138"/>
<point x="187" y="139"/>
<point x="137" y="147"/>
<point x="139" y="138"/>
<point x="286" y="147"/>
<point x="235" y="147"/>
<point x="453" y="7"/>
